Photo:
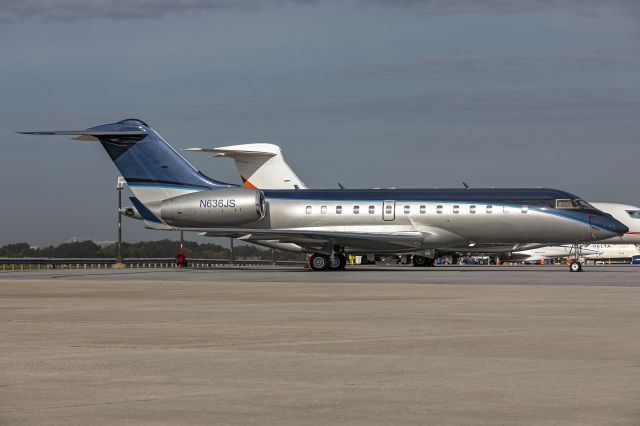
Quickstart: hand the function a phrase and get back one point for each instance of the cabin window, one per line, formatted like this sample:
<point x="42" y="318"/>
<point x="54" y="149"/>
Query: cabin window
<point x="338" y="209"/>
<point x="323" y="209"/>
<point x="423" y="209"/>
<point x="372" y="209"/>
<point x="524" y="209"/>
<point x="456" y="209"/>
<point x="489" y="209"/>
<point x="439" y="209"/>
<point x="634" y="213"/>
<point x="308" y="209"/>
<point x="407" y="209"/>
<point x="472" y="209"/>
<point x="356" y="209"/>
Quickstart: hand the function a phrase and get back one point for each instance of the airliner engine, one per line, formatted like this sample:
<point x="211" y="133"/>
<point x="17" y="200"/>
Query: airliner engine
<point x="215" y="208"/>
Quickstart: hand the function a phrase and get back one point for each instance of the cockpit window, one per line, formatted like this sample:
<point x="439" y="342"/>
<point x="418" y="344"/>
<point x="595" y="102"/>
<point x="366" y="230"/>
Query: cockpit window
<point x="574" y="204"/>
<point x="566" y="204"/>
<point x="583" y="204"/>
<point x="634" y="213"/>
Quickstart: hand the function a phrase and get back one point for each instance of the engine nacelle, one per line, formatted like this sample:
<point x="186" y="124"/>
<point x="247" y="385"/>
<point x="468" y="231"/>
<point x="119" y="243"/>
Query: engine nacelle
<point x="130" y="212"/>
<point x="214" y="208"/>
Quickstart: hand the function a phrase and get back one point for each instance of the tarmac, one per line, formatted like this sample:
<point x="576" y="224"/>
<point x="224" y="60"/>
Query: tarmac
<point x="488" y="345"/>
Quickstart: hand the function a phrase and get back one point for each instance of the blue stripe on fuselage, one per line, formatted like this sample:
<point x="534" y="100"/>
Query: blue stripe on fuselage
<point x="529" y="196"/>
<point x="382" y="195"/>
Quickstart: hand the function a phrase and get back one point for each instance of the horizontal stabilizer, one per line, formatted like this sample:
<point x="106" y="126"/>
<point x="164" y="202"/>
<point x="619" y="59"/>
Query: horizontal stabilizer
<point x="88" y="132"/>
<point x="254" y="149"/>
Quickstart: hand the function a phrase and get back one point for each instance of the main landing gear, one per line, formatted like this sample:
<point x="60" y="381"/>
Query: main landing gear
<point x="322" y="262"/>
<point x="575" y="265"/>
<point x="422" y="261"/>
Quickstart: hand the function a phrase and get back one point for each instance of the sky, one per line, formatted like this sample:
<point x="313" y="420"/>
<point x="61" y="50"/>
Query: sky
<point x="369" y="93"/>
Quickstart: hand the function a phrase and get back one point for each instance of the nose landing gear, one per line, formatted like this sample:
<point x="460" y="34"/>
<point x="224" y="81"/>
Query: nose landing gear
<point x="575" y="265"/>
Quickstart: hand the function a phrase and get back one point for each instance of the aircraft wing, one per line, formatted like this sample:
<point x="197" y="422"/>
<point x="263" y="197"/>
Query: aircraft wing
<point x="325" y="240"/>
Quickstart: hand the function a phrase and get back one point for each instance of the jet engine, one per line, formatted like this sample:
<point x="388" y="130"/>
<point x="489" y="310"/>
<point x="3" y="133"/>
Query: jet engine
<point x="130" y="212"/>
<point x="214" y="208"/>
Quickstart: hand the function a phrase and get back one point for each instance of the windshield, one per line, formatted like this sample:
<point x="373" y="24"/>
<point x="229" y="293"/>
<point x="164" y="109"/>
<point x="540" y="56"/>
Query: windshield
<point x="585" y="205"/>
<point x="574" y="204"/>
<point x="566" y="204"/>
<point x="634" y="213"/>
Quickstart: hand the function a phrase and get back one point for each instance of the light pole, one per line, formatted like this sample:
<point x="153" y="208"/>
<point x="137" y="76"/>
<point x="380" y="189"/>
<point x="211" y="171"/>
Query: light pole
<point x="232" y="259"/>
<point x="119" y="187"/>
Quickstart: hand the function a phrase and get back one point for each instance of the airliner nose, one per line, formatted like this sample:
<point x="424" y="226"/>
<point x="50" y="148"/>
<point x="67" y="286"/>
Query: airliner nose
<point x="610" y="224"/>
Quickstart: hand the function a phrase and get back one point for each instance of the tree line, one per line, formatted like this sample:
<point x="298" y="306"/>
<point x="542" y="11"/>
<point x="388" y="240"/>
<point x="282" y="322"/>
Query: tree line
<point x="159" y="248"/>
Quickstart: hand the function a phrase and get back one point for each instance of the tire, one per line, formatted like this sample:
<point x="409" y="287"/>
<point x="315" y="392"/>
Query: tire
<point x="575" y="267"/>
<point x="319" y="262"/>
<point x="339" y="262"/>
<point x="420" y="261"/>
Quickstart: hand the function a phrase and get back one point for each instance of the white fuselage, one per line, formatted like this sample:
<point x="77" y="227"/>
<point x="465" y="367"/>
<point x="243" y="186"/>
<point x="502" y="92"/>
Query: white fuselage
<point x="596" y="251"/>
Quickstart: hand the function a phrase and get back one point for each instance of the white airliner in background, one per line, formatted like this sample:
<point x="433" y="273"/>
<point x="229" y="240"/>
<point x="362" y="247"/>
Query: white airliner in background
<point x="596" y="251"/>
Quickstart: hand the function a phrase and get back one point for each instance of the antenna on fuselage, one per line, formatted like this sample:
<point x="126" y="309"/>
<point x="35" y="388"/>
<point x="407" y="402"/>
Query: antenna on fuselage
<point x="465" y="185"/>
<point x="341" y="186"/>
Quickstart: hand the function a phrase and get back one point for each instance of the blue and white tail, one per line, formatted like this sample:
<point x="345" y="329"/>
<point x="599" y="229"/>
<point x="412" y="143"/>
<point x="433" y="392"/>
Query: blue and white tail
<point x="154" y="170"/>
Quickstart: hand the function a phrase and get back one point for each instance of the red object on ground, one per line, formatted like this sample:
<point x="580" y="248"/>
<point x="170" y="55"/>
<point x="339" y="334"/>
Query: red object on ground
<point x="181" y="258"/>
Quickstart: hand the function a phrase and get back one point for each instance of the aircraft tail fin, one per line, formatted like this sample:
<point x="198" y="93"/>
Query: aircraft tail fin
<point x="152" y="168"/>
<point x="261" y="165"/>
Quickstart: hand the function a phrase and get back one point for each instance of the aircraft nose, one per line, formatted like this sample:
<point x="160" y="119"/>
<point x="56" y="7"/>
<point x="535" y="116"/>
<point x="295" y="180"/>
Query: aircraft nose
<point x="610" y="224"/>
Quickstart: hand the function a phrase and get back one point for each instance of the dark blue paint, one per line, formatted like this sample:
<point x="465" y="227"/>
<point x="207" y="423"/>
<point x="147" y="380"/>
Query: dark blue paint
<point x="144" y="211"/>
<point x="149" y="159"/>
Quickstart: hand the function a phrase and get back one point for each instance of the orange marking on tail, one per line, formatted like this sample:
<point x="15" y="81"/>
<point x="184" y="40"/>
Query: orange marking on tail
<point x="246" y="183"/>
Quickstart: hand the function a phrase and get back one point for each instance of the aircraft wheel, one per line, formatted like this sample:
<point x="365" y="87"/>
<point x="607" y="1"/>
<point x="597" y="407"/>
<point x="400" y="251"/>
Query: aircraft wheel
<point x="338" y="263"/>
<point x="420" y="261"/>
<point x="575" y="267"/>
<point x="319" y="262"/>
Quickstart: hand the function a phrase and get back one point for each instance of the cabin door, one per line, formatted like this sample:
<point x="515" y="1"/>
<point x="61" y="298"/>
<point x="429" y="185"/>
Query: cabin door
<point x="388" y="210"/>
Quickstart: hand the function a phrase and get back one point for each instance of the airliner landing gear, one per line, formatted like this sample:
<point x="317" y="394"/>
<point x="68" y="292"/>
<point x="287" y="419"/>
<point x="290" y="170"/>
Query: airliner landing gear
<point x="420" y="261"/>
<point x="576" y="263"/>
<point x="319" y="262"/>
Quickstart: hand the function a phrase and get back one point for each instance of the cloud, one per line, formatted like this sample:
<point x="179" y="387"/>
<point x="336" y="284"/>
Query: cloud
<point x="70" y="10"/>
<point x="452" y="66"/>
<point x="524" y="106"/>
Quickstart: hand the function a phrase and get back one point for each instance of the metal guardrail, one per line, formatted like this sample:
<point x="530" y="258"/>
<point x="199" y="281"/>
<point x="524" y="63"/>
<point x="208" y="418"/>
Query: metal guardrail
<point x="13" y="264"/>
